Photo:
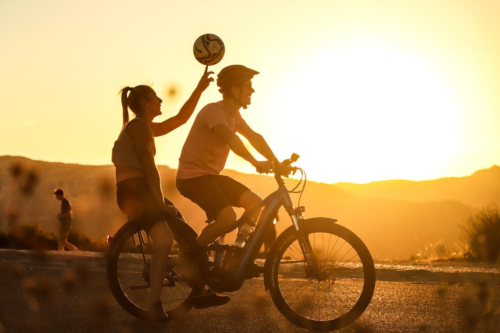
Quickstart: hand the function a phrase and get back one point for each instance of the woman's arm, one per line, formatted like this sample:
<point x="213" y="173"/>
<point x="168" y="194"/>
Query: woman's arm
<point x="143" y="145"/>
<point x="187" y="109"/>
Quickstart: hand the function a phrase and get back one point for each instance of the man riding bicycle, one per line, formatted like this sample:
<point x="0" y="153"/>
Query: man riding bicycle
<point x="205" y="153"/>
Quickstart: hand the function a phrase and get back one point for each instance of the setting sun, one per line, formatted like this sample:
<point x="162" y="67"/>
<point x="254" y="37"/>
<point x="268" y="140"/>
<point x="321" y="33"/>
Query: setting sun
<point x="370" y="112"/>
<point x="155" y="139"/>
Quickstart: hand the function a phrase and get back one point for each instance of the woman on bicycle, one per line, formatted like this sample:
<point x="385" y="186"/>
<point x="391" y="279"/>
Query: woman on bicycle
<point x="139" y="193"/>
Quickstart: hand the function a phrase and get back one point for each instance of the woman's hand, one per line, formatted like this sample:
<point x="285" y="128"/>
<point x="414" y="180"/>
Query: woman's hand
<point x="205" y="80"/>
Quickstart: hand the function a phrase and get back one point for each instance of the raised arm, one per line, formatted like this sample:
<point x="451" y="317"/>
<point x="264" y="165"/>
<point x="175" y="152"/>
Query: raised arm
<point x="257" y="141"/>
<point x="187" y="109"/>
<point x="237" y="146"/>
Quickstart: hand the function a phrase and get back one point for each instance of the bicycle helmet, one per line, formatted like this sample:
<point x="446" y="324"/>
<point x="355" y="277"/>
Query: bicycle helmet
<point x="234" y="75"/>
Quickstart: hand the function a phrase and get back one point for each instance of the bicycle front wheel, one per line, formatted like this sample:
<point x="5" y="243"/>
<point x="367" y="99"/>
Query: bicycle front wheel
<point x="343" y="292"/>
<point x="128" y="276"/>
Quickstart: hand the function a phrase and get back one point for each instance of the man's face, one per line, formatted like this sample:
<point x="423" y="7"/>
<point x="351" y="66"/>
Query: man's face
<point x="244" y="93"/>
<point x="58" y="196"/>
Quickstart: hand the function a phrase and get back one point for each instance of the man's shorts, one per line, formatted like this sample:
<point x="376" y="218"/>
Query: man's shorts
<point x="65" y="227"/>
<point x="212" y="193"/>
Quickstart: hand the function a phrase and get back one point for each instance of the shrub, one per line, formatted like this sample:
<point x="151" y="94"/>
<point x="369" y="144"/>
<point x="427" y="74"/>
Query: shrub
<point x="85" y="243"/>
<point x="26" y="236"/>
<point x="482" y="234"/>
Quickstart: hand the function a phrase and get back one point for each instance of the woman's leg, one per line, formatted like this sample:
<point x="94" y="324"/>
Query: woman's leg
<point x="162" y="243"/>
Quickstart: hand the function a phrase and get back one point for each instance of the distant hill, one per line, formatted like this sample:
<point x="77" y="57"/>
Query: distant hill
<point x="477" y="190"/>
<point x="393" y="226"/>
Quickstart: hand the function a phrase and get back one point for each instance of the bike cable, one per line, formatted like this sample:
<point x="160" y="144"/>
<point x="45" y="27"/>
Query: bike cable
<point x="303" y="177"/>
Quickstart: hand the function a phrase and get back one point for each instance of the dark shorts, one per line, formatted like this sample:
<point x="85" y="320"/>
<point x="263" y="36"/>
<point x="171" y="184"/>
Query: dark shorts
<point x="65" y="228"/>
<point x="136" y="200"/>
<point x="212" y="193"/>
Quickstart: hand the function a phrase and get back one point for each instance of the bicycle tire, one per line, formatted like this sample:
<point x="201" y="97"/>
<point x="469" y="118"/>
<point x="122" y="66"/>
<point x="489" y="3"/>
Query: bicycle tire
<point x="121" y="238"/>
<point x="276" y="259"/>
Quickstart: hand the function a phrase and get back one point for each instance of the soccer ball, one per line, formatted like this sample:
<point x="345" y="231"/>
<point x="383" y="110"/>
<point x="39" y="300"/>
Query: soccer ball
<point x="208" y="49"/>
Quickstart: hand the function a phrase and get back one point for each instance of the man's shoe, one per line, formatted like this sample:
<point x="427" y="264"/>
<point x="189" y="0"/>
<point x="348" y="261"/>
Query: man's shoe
<point x="209" y="299"/>
<point x="156" y="312"/>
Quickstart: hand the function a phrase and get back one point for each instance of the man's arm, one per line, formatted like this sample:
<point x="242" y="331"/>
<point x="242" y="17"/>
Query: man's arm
<point x="237" y="146"/>
<point x="257" y="141"/>
<point x="187" y="109"/>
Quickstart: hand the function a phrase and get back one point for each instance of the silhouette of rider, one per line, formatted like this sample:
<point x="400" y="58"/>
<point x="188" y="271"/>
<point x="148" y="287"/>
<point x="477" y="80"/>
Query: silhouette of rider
<point x="139" y="193"/>
<point x="206" y="149"/>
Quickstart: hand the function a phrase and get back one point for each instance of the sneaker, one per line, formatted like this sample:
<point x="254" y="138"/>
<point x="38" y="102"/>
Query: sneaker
<point x="209" y="299"/>
<point x="156" y="312"/>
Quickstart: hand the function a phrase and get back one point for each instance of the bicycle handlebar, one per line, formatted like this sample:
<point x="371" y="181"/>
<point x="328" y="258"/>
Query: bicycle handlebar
<point x="285" y="167"/>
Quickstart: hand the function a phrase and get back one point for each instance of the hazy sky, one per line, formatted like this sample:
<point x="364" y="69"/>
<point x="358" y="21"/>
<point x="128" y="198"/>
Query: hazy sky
<point x="362" y="90"/>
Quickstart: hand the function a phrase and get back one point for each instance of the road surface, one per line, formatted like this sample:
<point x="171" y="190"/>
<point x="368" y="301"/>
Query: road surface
<point x="64" y="292"/>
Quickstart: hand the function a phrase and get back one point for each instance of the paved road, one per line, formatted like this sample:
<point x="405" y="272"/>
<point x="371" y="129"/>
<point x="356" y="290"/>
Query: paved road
<point x="67" y="293"/>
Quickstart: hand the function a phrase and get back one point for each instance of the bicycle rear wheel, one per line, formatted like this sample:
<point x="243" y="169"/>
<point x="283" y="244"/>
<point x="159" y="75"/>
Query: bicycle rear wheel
<point x="343" y="293"/>
<point x="128" y="276"/>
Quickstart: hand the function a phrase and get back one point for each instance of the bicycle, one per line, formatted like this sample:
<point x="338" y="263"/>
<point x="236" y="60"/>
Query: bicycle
<point x="314" y="279"/>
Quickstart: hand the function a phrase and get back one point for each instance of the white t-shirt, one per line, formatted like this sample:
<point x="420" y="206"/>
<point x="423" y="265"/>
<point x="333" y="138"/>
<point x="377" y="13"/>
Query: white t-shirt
<point x="205" y="152"/>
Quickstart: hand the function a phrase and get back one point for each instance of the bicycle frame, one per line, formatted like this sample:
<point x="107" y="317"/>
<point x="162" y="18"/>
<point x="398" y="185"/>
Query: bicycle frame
<point x="270" y="207"/>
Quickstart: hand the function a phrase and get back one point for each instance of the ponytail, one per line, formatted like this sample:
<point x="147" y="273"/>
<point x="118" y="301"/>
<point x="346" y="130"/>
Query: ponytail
<point x="124" y="93"/>
<point x="134" y="100"/>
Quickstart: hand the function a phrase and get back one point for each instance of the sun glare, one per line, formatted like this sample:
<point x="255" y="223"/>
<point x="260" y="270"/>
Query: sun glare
<point x="367" y="113"/>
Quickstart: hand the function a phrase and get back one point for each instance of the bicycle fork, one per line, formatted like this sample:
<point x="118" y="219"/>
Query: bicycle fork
<point x="312" y="267"/>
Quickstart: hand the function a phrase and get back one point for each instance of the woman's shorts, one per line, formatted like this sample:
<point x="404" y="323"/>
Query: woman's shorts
<point x="136" y="200"/>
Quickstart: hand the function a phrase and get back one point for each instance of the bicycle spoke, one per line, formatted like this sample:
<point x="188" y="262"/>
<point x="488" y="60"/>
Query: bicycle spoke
<point x="298" y="249"/>
<point x="136" y="280"/>
<point x="131" y="265"/>
<point x="292" y="255"/>
<point x="321" y="300"/>
<point x="323" y="243"/>
<point x="346" y="254"/>
<point x="328" y="254"/>
<point x="339" y="249"/>
<point x="356" y="255"/>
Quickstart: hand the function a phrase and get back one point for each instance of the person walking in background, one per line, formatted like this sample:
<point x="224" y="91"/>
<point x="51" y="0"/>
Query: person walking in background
<point x="66" y="219"/>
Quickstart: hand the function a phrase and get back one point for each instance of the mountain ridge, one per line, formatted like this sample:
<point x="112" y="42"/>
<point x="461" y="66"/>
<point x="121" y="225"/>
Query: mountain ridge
<point x="393" y="227"/>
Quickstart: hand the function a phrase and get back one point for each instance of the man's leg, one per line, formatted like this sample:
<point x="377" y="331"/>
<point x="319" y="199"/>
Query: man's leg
<point x="60" y="244"/>
<point x="70" y="246"/>
<point x="224" y="223"/>
<point x="249" y="200"/>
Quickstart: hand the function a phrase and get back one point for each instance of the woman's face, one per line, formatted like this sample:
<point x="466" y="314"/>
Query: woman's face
<point x="153" y="106"/>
